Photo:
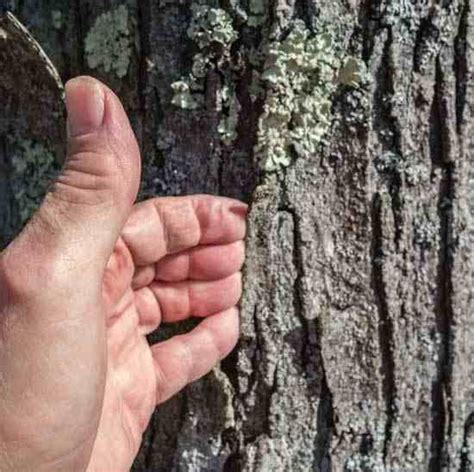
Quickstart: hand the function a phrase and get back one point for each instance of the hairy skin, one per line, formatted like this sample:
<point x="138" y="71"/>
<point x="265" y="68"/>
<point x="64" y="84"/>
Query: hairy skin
<point x="86" y="280"/>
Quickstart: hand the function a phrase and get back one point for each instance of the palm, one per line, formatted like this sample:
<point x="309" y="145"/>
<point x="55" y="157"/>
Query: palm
<point x="149" y="280"/>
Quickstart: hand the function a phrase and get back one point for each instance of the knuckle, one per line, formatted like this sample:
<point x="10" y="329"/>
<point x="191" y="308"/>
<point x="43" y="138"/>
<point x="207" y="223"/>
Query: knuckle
<point x="13" y="280"/>
<point x="26" y="277"/>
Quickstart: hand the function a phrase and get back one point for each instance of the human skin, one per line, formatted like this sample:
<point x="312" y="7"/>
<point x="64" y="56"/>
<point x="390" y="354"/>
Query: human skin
<point x="89" y="276"/>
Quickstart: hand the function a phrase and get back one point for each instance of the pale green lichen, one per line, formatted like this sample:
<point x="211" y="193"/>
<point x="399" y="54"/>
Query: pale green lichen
<point x="212" y="31"/>
<point x="108" y="44"/>
<point x="57" y="19"/>
<point x="352" y="73"/>
<point x="211" y="26"/>
<point x="301" y="74"/>
<point x="33" y="167"/>
<point x="183" y="98"/>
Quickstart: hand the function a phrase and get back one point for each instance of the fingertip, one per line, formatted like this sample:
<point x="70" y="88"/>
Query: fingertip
<point x="85" y="103"/>
<point x="239" y="208"/>
<point x="98" y="125"/>
<point x="227" y="330"/>
<point x="185" y="358"/>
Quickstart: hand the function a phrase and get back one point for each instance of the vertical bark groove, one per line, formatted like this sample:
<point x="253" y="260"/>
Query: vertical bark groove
<point x="385" y="323"/>
<point x="466" y="462"/>
<point x="441" y="389"/>
<point x="461" y="66"/>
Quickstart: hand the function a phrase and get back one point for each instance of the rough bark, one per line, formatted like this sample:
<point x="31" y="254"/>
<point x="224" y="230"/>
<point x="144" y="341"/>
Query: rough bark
<point x="358" y="314"/>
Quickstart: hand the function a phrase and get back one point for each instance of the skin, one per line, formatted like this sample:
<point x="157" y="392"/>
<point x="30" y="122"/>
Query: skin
<point x="89" y="276"/>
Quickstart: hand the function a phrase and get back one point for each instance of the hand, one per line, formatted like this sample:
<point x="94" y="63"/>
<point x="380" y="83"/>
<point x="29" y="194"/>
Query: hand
<point x="85" y="281"/>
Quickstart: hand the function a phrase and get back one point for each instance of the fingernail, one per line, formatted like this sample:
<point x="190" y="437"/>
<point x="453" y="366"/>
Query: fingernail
<point x="85" y="106"/>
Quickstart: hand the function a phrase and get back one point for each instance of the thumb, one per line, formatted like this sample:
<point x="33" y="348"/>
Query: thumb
<point x="82" y="216"/>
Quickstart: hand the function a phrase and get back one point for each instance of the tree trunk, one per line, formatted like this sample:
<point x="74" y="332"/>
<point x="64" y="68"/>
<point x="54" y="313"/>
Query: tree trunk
<point x="348" y="126"/>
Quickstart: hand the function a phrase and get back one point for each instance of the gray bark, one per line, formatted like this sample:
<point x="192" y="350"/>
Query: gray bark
<point x="357" y="341"/>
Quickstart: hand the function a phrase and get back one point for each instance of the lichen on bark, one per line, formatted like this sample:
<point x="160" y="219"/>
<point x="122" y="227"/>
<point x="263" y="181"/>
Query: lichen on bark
<point x="33" y="168"/>
<point x="108" y="43"/>
<point x="300" y="75"/>
<point x="212" y="31"/>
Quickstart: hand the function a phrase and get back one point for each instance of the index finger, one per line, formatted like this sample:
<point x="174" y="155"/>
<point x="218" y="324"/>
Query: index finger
<point x="167" y="225"/>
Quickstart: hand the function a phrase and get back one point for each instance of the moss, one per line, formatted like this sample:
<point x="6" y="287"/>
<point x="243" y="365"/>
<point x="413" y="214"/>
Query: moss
<point x="301" y="74"/>
<point x="108" y="44"/>
<point x="33" y="167"/>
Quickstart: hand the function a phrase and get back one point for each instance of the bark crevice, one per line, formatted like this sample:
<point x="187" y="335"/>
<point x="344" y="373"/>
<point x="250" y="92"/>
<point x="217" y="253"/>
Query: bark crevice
<point x="460" y="64"/>
<point x="385" y="324"/>
<point x="441" y="410"/>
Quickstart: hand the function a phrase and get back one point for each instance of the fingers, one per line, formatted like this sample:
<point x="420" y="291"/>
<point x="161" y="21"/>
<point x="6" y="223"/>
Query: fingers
<point x="164" y="226"/>
<point x="199" y="263"/>
<point x="185" y="358"/>
<point x="78" y="224"/>
<point x="202" y="263"/>
<point x="176" y="301"/>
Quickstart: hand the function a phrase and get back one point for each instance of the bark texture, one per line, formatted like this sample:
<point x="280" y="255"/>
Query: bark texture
<point x="357" y="339"/>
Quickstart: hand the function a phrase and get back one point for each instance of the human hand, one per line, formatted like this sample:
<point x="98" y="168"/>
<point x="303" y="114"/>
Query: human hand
<point x="89" y="276"/>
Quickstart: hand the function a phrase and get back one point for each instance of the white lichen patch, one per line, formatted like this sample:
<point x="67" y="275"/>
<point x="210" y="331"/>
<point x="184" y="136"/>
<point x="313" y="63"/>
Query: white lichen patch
<point x="183" y="97"/>
<point x="108" y="44"/>
<point x="301" y="74"/>
<point x="426" y="231"/>
<point x="412" y="172"/>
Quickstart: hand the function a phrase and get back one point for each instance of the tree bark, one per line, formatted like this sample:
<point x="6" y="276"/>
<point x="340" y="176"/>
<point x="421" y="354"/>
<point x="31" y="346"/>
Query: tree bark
<point x="357" y="342"/>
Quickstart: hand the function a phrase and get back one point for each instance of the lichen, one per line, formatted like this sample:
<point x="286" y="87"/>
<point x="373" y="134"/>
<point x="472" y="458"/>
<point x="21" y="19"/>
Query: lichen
<point x="183" y="97"/>
<point x="108" y="44"/>
<point x="404" y="166"/>
<point x="212" y="30"/>
<point x="33" y="167"/>
<point x="295" y="77"/>
<point x="211" y="27"/>
<point x="426" y="231"/>
<point x="352" y="72"/>
<point x="301" y="74"/>
<point x="57" y="19"/>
